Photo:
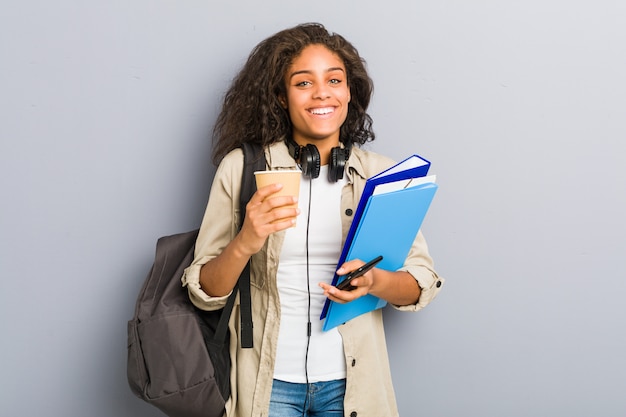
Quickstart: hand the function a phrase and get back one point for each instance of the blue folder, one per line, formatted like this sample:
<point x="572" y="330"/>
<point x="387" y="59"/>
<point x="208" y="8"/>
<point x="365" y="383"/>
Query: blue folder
<point x="385" y="223"/>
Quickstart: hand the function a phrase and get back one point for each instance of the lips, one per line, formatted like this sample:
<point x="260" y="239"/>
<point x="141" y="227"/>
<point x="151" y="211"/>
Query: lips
<point x="321" y="110"/>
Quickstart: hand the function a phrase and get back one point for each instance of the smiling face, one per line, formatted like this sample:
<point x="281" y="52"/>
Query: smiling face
<point x="317" y="97"/>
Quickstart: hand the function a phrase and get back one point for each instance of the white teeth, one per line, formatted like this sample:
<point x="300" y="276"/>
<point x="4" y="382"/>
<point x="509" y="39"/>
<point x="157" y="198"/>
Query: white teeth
<point x="325" y="110"/>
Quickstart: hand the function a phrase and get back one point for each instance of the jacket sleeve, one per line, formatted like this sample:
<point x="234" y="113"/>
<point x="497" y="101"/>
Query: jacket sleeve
<point x="219" y="227"/>
<point x="420" y="265"/>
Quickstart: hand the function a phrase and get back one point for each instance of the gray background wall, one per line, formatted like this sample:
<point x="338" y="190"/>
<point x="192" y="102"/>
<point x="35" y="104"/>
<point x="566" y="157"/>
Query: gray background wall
<point x="105" y="112"/>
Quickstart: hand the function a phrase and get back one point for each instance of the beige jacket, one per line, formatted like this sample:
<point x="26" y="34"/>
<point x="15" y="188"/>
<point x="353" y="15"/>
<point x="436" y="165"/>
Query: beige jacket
<point x="369" y="390"/>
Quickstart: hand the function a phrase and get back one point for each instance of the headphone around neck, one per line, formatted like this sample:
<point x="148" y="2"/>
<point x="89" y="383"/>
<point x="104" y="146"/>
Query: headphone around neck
<point x="308" y="157"/>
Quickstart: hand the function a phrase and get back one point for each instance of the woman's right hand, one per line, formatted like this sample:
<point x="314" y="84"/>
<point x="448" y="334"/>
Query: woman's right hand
<point x="266" y="215"/>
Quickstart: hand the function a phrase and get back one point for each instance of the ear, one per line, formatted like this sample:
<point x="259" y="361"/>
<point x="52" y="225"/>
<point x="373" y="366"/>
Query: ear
<point x="282" y="101"/>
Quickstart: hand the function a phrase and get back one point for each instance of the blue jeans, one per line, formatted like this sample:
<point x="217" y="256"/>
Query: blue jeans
<point x="304" y="400"/>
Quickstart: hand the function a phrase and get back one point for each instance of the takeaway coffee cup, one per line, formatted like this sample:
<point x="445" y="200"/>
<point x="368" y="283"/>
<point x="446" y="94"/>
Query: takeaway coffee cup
<point x="290" y="179"/>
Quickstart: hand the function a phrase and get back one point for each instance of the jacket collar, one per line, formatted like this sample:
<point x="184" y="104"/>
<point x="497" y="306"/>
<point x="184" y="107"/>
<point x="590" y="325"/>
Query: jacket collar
<point x="354" y="165"/>
<point x="277" y="156"/>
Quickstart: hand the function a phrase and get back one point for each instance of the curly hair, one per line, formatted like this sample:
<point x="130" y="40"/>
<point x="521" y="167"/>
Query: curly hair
<point x="251" y="111"/>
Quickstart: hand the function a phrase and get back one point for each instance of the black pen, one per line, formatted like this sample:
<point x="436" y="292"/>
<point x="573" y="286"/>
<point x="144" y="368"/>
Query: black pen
<point x="345" y="284"/>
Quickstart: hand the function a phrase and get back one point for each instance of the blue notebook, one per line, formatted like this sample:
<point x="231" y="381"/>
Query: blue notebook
<point x="387" y="220"/>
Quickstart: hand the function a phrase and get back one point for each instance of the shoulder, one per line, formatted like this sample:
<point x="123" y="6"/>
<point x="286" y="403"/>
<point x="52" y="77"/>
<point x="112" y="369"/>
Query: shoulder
<point x="229" y="172"/>
<point x="368" y="163"/>
<point x="232" y="159"/>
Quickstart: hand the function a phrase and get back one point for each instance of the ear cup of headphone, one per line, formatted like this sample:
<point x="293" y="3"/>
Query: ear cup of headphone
<point x="294" y="149"/>
<point x="336" y="166"/>
<point x="310" y="161"/>
<point x="308" y="157"/>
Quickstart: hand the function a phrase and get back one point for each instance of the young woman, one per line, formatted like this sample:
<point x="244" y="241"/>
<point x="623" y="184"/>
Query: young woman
<point x="303" y="95"/>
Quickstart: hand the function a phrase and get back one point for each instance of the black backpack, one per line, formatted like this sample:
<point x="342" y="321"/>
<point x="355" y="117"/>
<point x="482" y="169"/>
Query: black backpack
<point x="178" y="355"/>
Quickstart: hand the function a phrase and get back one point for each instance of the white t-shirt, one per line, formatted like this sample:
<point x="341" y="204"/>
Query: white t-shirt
<point x="325" y="358"/>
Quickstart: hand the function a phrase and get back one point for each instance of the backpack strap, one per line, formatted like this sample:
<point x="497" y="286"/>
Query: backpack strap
<point x="253" y="160"/>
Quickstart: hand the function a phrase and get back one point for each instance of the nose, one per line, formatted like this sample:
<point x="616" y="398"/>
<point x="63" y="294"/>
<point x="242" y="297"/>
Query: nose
<point x="321" y="91"/>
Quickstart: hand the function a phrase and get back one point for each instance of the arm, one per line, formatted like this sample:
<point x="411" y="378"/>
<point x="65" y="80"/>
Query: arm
<point x="219" y="275"/>
<point x="220" y="243"/>
<point x="398" y="288"/>
<point x="410" y="288"/>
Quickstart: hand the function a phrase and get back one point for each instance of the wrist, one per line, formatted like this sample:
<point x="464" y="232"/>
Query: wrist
<point x="240" y="249"/>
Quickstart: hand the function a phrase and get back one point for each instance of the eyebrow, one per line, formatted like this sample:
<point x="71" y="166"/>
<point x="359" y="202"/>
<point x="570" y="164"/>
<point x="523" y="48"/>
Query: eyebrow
<point x="310" y="72"/>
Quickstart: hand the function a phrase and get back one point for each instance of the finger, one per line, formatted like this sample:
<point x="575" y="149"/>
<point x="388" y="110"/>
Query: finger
<point x="277" y="226"/>
<point x="282" y="214"/>
<point x="339" y="296"/>
<point x="332" y="293"/>
<point x="272" y="203"/>
<point x="264" y="192"/>
<point x="349" y="266"/>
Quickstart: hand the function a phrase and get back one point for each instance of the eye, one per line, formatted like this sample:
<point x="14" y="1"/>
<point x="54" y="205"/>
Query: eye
<point x="303" y="83"/>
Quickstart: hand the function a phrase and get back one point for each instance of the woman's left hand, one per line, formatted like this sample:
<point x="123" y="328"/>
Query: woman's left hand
<point x="362" y="283"/>
<point x="396" y="287"/>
